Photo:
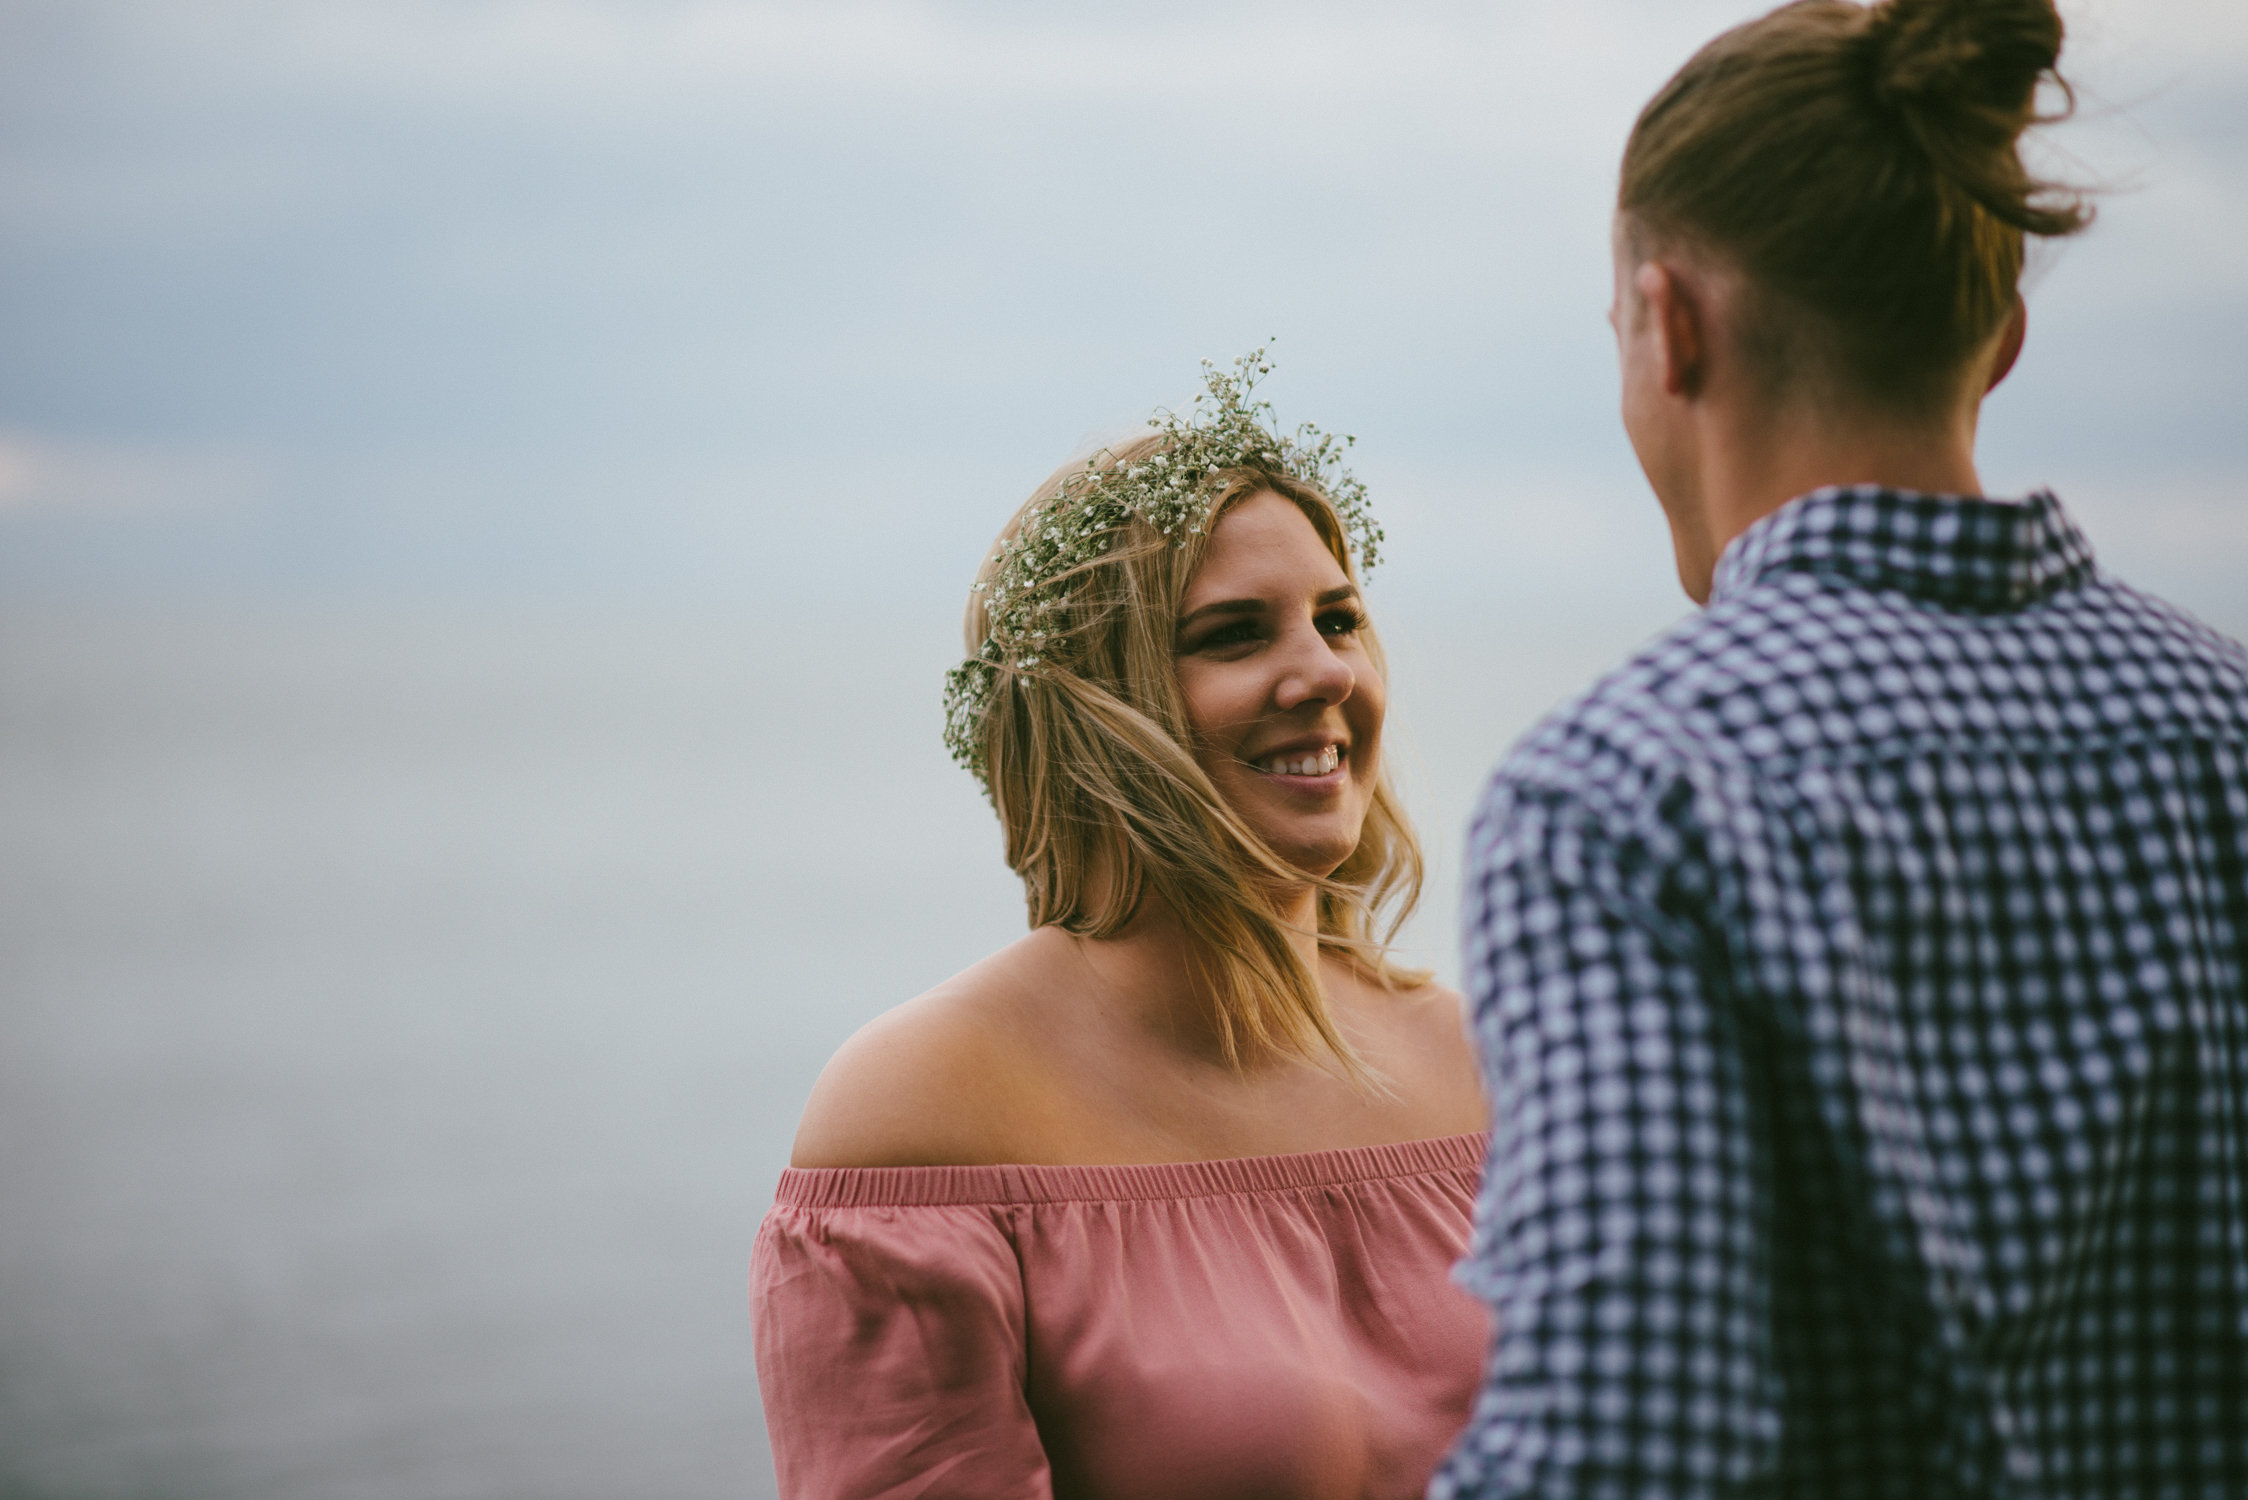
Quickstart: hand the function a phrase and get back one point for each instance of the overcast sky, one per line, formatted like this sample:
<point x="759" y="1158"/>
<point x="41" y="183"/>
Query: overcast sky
<point x="561" y="297"/>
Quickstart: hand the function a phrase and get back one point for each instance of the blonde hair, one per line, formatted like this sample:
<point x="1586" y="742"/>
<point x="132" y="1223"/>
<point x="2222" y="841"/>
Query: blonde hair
<point x="1090" y="762"/>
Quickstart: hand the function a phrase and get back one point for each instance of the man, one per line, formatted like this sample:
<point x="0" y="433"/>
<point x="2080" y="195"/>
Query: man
<point x="1860" y="973"/>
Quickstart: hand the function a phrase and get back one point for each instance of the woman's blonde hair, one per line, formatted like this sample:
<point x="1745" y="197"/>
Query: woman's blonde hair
<point x="1089" y="757"/>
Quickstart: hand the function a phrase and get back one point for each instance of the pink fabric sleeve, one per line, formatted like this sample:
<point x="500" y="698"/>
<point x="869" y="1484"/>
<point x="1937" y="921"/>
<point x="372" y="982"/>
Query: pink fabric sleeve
<point x="891" y="1352"/>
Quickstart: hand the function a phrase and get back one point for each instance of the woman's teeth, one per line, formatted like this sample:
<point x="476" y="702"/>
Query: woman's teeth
<point x="1317" y="763"/>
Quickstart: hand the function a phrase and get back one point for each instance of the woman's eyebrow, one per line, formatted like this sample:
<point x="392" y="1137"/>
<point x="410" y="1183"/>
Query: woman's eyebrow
<point x="1225" y="607"/>
<point x="1257" y="606"/>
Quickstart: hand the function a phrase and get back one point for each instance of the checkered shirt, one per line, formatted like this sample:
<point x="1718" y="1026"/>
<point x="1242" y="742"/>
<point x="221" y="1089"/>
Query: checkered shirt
<point x="1860" y="975"/>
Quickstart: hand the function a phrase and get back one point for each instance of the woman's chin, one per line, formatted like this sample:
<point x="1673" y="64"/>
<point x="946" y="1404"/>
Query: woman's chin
<point x="1317" y="853"/>
<point x="1315" y="838"/>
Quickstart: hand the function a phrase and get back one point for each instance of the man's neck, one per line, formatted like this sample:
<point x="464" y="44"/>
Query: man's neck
<point x="1752" y="464"/>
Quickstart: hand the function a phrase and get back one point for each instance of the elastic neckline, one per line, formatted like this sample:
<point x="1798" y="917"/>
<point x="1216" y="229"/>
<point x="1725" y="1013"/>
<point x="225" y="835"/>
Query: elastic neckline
<point x="868" y="1187"/>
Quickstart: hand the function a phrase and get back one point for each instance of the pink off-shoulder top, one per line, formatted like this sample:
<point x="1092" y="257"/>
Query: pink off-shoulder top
<point x="1275" y="1326"/>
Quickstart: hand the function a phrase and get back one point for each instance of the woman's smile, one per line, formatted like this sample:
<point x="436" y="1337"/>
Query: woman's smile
<point x="1317" y="768"/>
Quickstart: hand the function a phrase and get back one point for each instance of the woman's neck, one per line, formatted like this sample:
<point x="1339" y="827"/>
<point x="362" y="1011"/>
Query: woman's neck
<point x="1155" y="974"/>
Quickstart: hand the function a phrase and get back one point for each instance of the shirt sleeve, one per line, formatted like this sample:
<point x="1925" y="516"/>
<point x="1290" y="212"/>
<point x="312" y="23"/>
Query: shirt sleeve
<point x="891" y="1355"/>
<point x="1622" y="1235"/>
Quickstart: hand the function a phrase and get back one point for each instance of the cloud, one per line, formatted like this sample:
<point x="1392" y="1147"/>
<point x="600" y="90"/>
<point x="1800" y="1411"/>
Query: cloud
<point x="665" y="275"/>
<point x="1336" y="67"/>
<point x="580" y="54"/>
<point x="41" y="475"/>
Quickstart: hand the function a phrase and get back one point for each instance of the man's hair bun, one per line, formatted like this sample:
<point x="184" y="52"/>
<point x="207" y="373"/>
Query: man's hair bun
<point x="1991" y="52"/>
<point x="1961" y="77"/>
<point x="1862" y="164"/>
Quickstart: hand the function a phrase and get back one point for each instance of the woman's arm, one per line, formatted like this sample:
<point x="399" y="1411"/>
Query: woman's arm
<point x="891" y="1350"/>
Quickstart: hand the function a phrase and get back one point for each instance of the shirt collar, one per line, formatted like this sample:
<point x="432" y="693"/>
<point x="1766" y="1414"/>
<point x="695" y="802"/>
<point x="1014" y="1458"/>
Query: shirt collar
<point x="1974" y="554"/>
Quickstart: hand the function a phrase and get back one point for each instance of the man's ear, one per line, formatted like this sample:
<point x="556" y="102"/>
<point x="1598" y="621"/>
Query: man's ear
<point x="1678" y="328"/>
<point x="2009" y="343"/>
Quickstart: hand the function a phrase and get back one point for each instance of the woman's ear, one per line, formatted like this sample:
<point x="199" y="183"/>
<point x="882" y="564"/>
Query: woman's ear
<point x="2009" y="343"/>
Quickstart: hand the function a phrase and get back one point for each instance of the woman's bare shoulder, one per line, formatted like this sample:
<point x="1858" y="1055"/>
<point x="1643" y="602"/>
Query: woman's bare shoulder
<point x="1433" y="1047"/>
<point x="1431" y="1014"/>
<point x="1440" y="1008"/>
<point x="1439" y="1014"/>
<point x="940" y="1080"/>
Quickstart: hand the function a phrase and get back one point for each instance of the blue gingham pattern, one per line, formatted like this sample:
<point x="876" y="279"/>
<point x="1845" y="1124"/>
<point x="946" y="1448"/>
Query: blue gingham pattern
<point x="1860" y="975"/>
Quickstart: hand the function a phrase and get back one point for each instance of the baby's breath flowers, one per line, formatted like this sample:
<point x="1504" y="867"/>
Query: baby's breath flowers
<point x="1168" y="489"/>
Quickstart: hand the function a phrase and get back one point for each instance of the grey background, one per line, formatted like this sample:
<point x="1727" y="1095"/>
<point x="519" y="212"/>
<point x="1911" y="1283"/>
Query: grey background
<point x="486" y="491"/>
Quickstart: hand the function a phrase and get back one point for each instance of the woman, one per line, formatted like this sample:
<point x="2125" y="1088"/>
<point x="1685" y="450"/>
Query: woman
<point x="1161" y="1199"/>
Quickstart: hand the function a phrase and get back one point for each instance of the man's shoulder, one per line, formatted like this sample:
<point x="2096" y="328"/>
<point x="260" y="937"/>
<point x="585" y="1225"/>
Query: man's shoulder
<point x="2129" y="625"/>
<point x="1799" y="669"/>
<point x="1641" y="721"/>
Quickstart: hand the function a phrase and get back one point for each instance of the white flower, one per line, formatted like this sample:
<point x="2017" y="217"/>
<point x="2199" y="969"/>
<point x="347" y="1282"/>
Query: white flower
<point x="1230" y="432"/>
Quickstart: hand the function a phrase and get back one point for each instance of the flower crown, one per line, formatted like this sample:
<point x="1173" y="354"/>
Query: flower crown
<point x="1168" y="490"/>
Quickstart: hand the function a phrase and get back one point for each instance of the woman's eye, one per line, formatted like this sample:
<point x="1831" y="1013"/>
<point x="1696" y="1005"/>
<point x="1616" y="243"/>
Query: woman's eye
<point x="1341" y="622"/>
<point x="1227" y="635"/>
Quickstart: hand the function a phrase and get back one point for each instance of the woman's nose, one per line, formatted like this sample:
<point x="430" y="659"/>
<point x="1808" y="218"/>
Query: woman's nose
<point x="1312" y="672"/>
